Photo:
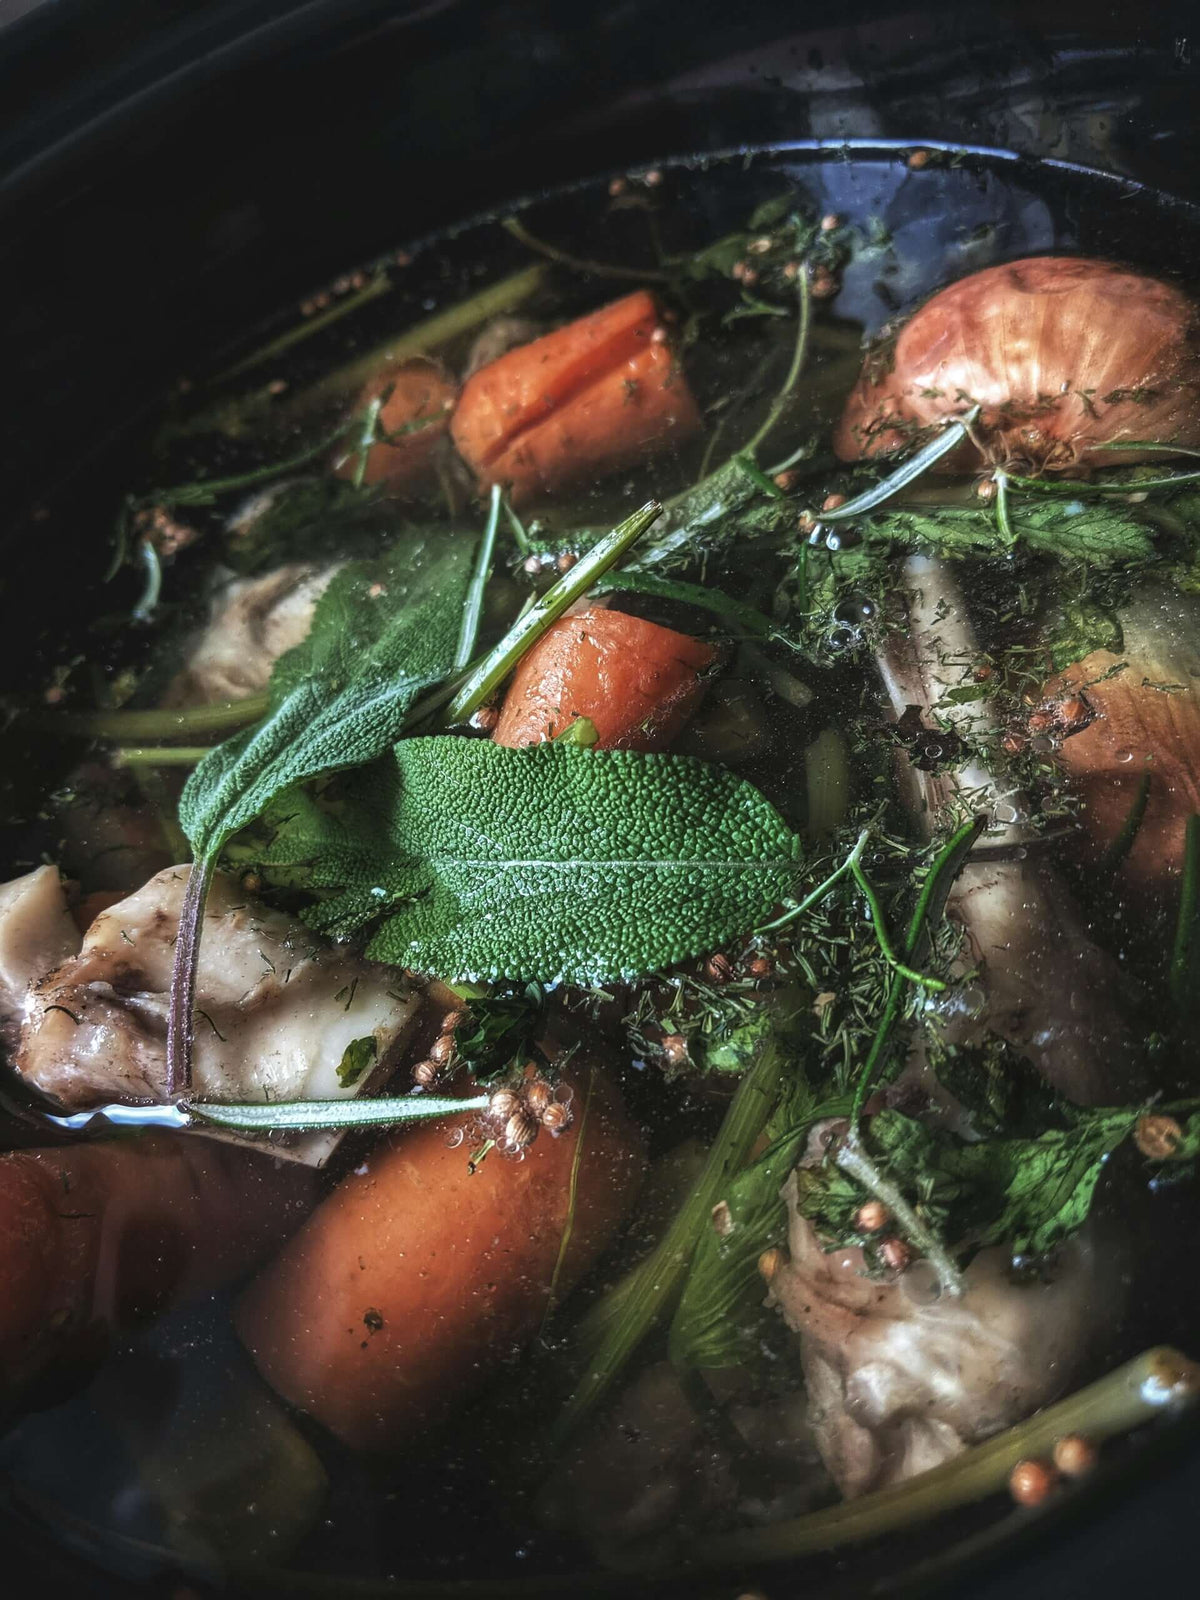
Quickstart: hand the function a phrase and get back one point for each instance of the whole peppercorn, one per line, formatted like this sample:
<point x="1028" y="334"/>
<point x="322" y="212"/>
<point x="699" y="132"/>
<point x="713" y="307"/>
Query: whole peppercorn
<point x="1074" y="1455"/>
<point x="896" y="1254"/>
<point x="556" y="1117"/>
<point x="823" y="285"/>
<point x="1157" y="1137"/>
<point x="674" y="1048"/>
<point x="770" y="1262"/>
<point x="718" y="968"/>
<point x="1041" y="721"/>
<point x="1013" y="743"/>
<point x="786" y="480"/>
<point x="533" y="565"/>
<point x="486" y="719"/>
<point x="538" y="1095"/>
<point x="565" y="561"/>
<point x="503" y="1104"/>
<point x="832" y="501"/>
<point x="441" y="1049"/>
<point x="1030" y="1482"/>
<point x="872" y="1216"/>
<point x="985" y="490"/>
<point x="425" y="1074"/>
<point x="830" y="221"/>
<point x="618" y="186"/>
<point x="791" y="270"/>
<point x="652" y="179"/>
<point x="453" y="1020"/>
<point x="760" y="967"/>
<point x="251" y="882"/>
<point x="520" y="1130"/>
<point x="983" y="672"/>
<point x="918" y="159"/>
<point x="806" y="522"/>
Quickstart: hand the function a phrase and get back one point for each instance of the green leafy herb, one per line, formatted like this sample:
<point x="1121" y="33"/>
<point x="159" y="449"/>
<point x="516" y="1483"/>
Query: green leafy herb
<point x="358" y="1056"/>
<point x="498" y="1030"/>
<point x="1029" y="1194"/>
<point x="555" y="863"/>
<point x="1076" y="628"/>
<point x="382" y="631"/>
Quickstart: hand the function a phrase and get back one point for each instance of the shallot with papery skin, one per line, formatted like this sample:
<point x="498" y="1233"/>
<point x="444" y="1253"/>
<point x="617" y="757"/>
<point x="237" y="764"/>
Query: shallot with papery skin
<point x="1063" y="354"/>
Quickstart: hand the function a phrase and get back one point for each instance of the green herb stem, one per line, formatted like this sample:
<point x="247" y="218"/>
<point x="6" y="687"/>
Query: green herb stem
<point x="881" y="933"/>
<point x="948" y="440"/>
<point x="366" y="438"/>
<point x="379" y="285"/>
<point x="159" y="755"/>
<point x="598" y="269"/>
<point x="792" y="377"/>
<point x="854" y="1159"/>
<point x="1080" y="490"/>
<point x="1003" y="520"/>
<point x="185" y="962"/>
<point x="221" y="716"/>
<point x="1159" y="1380"/>
<point x="929" y="906"/>
<point x="203" y="491"/>
<point x="1185" y="922"/>
<point x="473" y="605"/>
<point x="642" y="1301"/>
<point x="740" y="617"/>
<point x="282" y="1116"/>
<point x="1123" y="843"/>
<point x="525" y="633"/>
<point x="757" y="476"/>
<point x="822" y="889"/>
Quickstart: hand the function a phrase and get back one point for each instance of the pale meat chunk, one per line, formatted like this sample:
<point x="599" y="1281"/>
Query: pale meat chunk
<point x="901" y="1379"/>
<point x="253" y="621"/>
<point x="36" y="933"/>
<point x="276" y="1007"/>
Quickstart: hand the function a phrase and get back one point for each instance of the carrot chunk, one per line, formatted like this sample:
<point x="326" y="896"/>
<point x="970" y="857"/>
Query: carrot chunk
<point x="636" y="681"/>
<point x="599" y="394"/>
<point x="421" y="392"/>
<point x="417" y="1277"/>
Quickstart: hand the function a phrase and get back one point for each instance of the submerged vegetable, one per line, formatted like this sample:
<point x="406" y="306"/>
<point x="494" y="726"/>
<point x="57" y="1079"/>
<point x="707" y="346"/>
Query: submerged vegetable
<point x="599" y="394"/>
<point x="636" y="682"/>
<point x="96" y="1236"/>
<point x="420" y="1272"/>
<point x="1063" y="353"/>
<point x="415" y="400"/>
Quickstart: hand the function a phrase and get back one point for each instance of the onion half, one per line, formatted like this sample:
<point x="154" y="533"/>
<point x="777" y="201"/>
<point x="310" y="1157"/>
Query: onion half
<point x="1062" y="353"/>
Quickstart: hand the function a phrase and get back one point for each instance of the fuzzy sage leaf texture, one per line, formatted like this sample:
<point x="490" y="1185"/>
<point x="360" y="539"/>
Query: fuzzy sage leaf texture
<point x="554" y="863"/>
<point x="382" y="632"/>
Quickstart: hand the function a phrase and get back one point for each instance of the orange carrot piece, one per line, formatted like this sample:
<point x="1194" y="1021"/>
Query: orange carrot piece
<point x="599" y="394"/>
<point x="636" y="681"/>
<point x="420" y="392"/>
<point x="417" y="1277"/>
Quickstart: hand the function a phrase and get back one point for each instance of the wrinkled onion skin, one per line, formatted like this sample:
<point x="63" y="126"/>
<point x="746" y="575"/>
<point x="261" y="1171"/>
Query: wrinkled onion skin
<point x="1062" y="353"/>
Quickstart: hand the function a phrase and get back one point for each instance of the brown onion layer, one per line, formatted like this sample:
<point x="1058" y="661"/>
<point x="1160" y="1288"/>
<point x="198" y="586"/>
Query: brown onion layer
<point x="1062" y="353"/>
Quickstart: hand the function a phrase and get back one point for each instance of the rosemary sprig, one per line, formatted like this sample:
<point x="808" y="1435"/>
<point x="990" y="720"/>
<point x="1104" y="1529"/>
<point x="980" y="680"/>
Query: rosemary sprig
<point x="951" y="436"/>
<point x="524" y="633"/>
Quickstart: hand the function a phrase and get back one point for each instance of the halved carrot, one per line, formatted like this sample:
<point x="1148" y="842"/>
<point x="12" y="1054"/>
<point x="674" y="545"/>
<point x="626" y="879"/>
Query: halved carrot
<point x="417" y="1277"/>
<point x="598" y="394"/>
<point x="421" y="393"/>
<point x="636" y="681"/>
<point x="95" y="1236"/>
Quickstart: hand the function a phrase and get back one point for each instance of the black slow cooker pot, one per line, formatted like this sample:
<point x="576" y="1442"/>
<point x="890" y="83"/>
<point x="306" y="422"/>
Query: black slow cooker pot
<point x="172" y="171"/>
